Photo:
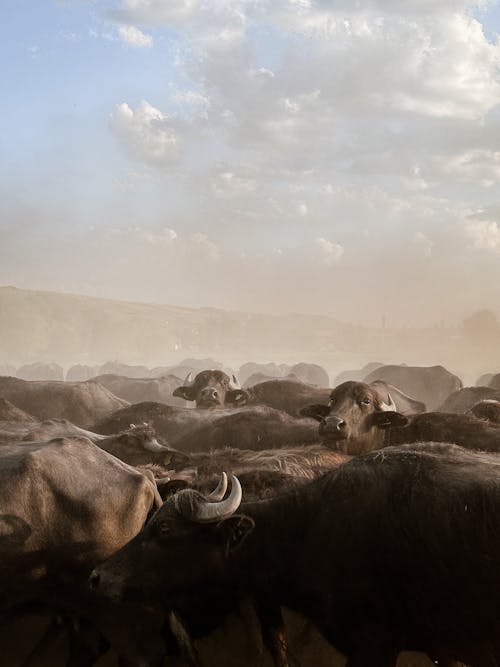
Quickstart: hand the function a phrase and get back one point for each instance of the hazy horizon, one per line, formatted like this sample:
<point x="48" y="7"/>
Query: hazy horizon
<point x="303" y="156"/>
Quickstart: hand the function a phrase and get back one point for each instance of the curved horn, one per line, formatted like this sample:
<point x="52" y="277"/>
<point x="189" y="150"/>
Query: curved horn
<point x="189" y="379"/>
<point x="234" y="384"/>
<point x="220" y="491"/>
<point x="207" y="512"/>
<point x="388" y="407"/>
<point x="152" y="445"/>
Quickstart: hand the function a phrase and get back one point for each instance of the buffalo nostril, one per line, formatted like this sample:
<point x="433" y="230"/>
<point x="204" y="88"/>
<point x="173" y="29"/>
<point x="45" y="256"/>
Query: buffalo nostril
<point x="94" y="580"/>
<point x="341" y="425"/>
<point x="214" y="393"/>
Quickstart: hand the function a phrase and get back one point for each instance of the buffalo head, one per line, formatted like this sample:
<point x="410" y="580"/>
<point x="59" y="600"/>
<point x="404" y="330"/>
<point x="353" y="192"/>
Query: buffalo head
<point x="212" y="389"/>
<point x="355" y="413"/>
<point x="163" y="560"/>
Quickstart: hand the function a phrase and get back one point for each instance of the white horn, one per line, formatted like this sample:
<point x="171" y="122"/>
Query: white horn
<point x="388" y="407"/>
<point x="189" y="379"/>
<point x="220" y="491"/>
<point x="234" y="384"/>
<point x="207" y="512"/>
<point x="152" y="445"/>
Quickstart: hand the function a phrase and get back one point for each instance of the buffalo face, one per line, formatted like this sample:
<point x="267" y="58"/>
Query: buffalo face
<point x="355" y="413"/>
<point x="163" y="561"/>
<point x="212" y="389"/>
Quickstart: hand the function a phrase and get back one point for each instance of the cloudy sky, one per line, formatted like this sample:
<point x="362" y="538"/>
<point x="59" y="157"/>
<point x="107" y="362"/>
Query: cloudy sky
<point x="326" y="156"/>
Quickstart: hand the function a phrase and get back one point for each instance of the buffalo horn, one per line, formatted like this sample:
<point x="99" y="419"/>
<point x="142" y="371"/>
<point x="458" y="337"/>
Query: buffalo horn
<point x="208" y="512"/>
<point x="220" y="491"/>
<point x="189" y="379"/>
<point x="388" y="407"/>
<point x="152" y="445"/>
<point x="234" y="384"/>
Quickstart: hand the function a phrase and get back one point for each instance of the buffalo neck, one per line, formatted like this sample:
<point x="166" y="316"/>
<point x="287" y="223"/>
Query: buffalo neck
<point x="268" y="556"/>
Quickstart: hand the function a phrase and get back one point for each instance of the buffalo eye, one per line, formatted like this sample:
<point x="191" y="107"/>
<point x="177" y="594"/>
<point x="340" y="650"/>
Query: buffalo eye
<point x="366" y="401"/>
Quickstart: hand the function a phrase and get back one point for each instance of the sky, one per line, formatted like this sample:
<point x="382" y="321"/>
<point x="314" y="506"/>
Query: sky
<point x="339" y="157"/>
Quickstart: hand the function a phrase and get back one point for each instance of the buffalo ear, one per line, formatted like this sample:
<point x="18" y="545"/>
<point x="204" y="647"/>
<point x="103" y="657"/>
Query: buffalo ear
<point x="389" y="419"/>
<point x="187" y="393"/>
<point x="233" y="531"/>
<point x="236" y="397"/>
<point x="317" y="412"/>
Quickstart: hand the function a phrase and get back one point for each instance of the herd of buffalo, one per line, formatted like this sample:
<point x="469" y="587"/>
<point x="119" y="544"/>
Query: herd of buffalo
<point x="250" y="518"/>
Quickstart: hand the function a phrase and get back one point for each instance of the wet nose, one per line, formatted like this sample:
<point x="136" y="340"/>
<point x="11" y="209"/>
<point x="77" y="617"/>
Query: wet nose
<point x="94" y="580"/>
<point x="332" y="424"/>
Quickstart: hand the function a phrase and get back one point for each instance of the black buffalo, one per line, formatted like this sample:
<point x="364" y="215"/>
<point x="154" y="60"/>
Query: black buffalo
<point x="377" y="571"/>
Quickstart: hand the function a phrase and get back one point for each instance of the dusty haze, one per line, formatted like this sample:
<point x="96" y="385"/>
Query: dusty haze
<point x="336" y="159"/>
<point x="71" y="329"/>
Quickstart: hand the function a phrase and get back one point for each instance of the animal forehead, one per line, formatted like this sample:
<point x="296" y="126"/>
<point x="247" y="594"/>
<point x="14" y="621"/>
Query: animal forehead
<point x="205" y="377"/>
<point x="356" y="391"/>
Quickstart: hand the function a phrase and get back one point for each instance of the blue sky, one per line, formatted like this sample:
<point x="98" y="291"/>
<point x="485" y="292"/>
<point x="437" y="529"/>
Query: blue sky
<point x="199" y="153"/>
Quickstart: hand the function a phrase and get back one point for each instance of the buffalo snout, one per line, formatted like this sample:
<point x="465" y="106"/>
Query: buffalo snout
<point x="333" y="427"/>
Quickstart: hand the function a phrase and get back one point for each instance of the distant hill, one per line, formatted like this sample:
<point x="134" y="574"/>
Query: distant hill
<point x="70" y="329"/>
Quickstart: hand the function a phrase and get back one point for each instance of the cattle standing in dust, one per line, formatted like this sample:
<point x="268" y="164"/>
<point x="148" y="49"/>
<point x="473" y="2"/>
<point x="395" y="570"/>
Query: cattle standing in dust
<point x="377" y="572"/>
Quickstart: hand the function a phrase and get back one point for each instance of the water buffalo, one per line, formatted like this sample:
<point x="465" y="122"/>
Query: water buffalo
<point x="424" y="510"/>
<point x="286" y="394"/>
<point x="310" y="373"/>
<point x="357" y="413"/>
<point x="212" y="389"/>
<point x="136" y="390"/>
<point x="80" y="402"/>
<point x="254" y="427"/>
<point x="484" y="380"/>
<point x="495" y="381"/>
<point x="464" y="399"/>
<point x="66" y="506"/>
<point x="363" y="417"/>
<point x="489" y="410"/>
<point x="270" y="370"/>
<point x="430" y="384"/>
<point x="117" y="368"/>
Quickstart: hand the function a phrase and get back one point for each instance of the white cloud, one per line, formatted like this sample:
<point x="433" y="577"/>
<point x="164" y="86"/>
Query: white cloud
<point x="146" y="133"/>
<point x="478" y="166"/>
<point x="132" y="36"/>
<point x="192" y="103"/>
<point x="329" y="251"/>
<point x="485" y="234"/>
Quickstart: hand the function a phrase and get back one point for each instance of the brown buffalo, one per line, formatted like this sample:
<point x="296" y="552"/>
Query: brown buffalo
<point x="67" y="505"/>
<point x="136" y="390"/>
<point x="463" y="400"/>
<point x="286" y="394"/>
<point x="254" y="427"/>
<point x="80" y="402"/>
<point x="489" y="410"/>
<point x="356" y="412"/>
<point x="429" y="384"/>
<point x="212" y="389"/>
